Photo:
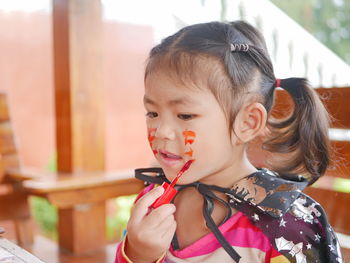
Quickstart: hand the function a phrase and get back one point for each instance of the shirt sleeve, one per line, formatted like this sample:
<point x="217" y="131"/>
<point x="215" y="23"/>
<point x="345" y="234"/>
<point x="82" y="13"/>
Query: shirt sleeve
<point x="121" y="257"/>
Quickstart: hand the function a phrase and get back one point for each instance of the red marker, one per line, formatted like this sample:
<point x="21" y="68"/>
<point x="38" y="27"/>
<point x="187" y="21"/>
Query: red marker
<point x="169" y="190"/>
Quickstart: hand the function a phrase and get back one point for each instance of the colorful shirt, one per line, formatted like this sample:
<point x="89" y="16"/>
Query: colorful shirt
<point x="275" y="223"/>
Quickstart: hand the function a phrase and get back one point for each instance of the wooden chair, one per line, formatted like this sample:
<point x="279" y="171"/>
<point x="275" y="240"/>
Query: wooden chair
<point x="13" y="198"/>
<point x="74" y="195"/>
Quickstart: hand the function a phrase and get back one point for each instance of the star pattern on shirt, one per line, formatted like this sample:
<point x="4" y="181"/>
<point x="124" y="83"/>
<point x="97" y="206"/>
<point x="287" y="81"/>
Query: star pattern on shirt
<point x="331" y="247"/>
<point x="308" y="246"/>
<point x="256" y="217"/>
<point x="317" y="237"/>
<point x="283" y="223"/>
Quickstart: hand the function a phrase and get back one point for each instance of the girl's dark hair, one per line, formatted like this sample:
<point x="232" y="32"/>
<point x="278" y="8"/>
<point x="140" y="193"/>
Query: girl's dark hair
<point x="203" y="54"/>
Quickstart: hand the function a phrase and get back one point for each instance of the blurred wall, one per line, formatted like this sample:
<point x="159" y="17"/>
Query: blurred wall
<point x="26" y="76"/>
<point x="126" y="50"/>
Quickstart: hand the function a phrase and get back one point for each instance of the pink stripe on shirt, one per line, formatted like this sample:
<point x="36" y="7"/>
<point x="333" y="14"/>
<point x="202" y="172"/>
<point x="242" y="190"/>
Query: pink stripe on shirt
<point x="238" y="231"/>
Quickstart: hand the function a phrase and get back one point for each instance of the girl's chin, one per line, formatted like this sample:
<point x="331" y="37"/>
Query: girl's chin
<point x="172" y="168"/>
<point x="186" y="178"/>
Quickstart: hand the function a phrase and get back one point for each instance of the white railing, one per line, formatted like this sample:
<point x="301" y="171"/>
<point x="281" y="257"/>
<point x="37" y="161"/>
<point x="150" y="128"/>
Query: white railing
<point x="294" y="51"/>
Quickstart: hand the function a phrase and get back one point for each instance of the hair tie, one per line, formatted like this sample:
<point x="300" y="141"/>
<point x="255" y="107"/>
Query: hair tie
<point x="278" y="83"/>
<point x="239" y="47"/>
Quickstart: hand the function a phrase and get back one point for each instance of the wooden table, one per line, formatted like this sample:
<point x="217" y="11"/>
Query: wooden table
<point x="79" y="199"/>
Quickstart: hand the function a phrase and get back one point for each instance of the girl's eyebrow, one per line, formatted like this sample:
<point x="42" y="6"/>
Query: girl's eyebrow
<point x="147" y="100"/>
<point x="176" y="101"/>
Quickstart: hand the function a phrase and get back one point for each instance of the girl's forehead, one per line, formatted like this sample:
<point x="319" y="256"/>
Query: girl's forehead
<point x="174" y="92"/>
<point x="168" y="80"/>
<point x="187" y="73"/>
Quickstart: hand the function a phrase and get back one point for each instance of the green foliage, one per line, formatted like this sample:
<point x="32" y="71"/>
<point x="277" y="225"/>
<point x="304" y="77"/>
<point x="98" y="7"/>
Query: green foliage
<point x="45" y="215"/>
<point x="52" y="166"/>
<point x="116" y="223"/>
<point x="342" y="185"/>
<point x="327" y="20"/>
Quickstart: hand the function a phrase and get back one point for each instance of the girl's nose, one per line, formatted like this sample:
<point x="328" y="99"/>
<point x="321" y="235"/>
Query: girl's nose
<point x="165" y="132"/>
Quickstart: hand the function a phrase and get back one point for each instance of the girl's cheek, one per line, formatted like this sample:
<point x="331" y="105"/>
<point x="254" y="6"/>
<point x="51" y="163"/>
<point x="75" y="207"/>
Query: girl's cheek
<point x="151" y="136"/>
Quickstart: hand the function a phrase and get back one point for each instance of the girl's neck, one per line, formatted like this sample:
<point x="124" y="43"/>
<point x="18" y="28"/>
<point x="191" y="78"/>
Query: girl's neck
<point x="228" y="176"/>
<point x="191" y="225"/>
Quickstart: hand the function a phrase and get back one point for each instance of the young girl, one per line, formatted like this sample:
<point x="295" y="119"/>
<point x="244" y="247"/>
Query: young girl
<point x="209" y="90"/>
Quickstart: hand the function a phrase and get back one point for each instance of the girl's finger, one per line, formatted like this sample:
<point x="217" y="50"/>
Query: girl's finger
<point x="169" y="232"/>
<point x="163" y="225"/>
<point x="141" y="207"/>
<point x="160" y="214"/>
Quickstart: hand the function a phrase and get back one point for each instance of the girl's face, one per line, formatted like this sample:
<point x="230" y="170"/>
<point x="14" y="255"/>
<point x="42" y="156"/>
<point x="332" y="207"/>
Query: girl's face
<point x="187" y="123"/>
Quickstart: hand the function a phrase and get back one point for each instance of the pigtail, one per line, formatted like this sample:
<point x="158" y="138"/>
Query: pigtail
<point x="303" y="136"/>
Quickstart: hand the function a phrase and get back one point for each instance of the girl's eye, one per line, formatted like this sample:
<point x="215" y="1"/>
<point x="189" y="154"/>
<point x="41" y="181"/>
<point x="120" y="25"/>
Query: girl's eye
<point x="151" y="114"/>
<point x="185" y="117"/>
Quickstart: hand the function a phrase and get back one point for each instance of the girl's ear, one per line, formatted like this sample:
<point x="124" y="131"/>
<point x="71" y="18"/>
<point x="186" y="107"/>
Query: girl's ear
<point x="250" y="122"/>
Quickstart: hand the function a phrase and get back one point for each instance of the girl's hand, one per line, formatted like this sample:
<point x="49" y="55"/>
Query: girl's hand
<point x="150" y="232"/>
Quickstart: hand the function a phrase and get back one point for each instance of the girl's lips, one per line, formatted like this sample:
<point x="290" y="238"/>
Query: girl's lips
<point x="169" y="158"/>
<point x="167" y="154"/>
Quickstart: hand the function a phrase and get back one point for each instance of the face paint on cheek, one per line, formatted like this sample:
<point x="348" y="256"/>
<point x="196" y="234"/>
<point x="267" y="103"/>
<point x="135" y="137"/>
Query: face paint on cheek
<point x="189" y="152"/>
<point x="189" y="137"/>
<point x="151" y="136"/>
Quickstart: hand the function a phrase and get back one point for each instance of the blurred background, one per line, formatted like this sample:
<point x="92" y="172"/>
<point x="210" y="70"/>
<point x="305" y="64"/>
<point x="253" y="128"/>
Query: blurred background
<point x="306" y="38"/>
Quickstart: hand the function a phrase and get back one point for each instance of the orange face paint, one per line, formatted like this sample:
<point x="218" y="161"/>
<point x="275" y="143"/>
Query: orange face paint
<point x="151" y="136"/>
<point x="189" y="137"/>
<point x="189" y="153"/>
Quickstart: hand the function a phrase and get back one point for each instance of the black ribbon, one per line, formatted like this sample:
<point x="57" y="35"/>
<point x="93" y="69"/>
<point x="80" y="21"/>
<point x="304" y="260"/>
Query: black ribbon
<point x="209" y="197"/>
